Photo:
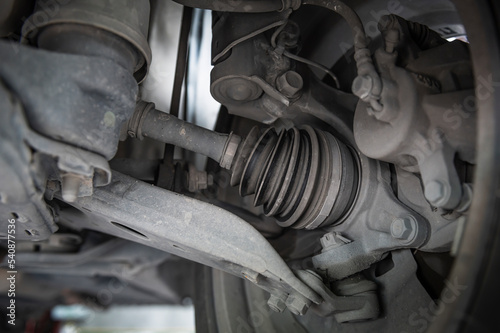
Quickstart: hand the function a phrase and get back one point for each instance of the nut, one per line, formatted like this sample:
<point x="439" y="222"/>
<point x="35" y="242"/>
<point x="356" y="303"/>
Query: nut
<point x="290" y="84"/>
<point x="297" y="304"/>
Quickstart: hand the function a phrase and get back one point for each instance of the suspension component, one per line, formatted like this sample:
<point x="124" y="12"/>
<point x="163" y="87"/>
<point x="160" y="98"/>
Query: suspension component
<point x="427" y="80"/>
<point x="305" y="178"/>
<point x="100" y="28"/>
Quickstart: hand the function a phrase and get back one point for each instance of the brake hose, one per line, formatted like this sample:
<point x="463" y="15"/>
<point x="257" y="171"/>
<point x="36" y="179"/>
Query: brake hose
<point x="362" y="56"/>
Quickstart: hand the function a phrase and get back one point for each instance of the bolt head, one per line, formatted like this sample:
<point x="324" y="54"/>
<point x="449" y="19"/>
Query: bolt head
<point x="362" y="86"/>
<point x="435" y="192"/>
<point x="404" y="228"/>
<point x="296" y="305"/>
<point x="290" y="84"/>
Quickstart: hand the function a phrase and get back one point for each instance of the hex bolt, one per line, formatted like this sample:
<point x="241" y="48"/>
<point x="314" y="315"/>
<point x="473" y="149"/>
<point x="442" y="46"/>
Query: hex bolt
<point x="436" y="192"/>
<point x="362" y="87"/>
<point x="277" y="302"/>
<point x="404" y="229"/>
<point x="70" y="186"/>
<point x="198" y="180"/>
<point x="297" y="304"/>
<point x="290" y="84"/>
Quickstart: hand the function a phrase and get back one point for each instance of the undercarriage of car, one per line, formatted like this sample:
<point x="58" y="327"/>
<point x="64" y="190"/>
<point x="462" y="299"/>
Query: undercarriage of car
<point x="351" y="162"/>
